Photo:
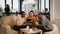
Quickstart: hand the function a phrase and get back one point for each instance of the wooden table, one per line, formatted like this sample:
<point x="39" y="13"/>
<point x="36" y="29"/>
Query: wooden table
<point x="25" y="31"/>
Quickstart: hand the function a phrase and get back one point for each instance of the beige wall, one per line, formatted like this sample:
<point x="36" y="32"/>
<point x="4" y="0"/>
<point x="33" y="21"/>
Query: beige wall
<point x="55" y="12"/>
<point x="55" y="9"/>
<point x="51" y="10"/>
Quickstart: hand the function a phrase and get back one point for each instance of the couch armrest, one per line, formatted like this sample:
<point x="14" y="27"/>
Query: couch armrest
<point x="56" y="30"/>
<point x="6" y="29"/>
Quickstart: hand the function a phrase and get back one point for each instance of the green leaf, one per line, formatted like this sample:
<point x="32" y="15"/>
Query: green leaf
<point x="33" y="5"/>
<point x="46" y="9"/>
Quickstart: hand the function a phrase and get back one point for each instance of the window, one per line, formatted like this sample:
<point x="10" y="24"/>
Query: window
<point x="10" y="3"/>
<point x="2" y="4"/>
<point x="43" y="4"/>
<point x="15" y="5"/>
<point x="39" y="4"/>
<point x="47" y="4"/>
<point x="27" y="5"/>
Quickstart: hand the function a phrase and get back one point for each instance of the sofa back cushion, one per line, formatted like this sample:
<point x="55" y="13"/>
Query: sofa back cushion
<point x="9" y="20"/>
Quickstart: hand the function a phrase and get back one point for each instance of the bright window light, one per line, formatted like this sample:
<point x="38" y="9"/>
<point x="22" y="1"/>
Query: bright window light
<point x="2" y="4"/>
<point x="9" y="2"/>
<point x="27" y="5"/>
<point x="47" y="4"/>
<point x="42" y="5"/>
<point x="15" y="5"/>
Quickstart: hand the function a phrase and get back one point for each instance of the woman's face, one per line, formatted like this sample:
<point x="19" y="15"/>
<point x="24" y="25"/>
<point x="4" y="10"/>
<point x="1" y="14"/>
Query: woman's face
<point x="31" y="14"/>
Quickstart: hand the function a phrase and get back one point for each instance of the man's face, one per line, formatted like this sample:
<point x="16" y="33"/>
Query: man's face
<point x="23" y="14"/>
<point x="39" y="15"/>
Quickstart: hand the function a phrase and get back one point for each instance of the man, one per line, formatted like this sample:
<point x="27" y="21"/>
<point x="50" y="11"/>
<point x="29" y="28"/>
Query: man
<point x="21" y="18"/>
<point x="20" y="21"/>
<point x="43" y="23"/>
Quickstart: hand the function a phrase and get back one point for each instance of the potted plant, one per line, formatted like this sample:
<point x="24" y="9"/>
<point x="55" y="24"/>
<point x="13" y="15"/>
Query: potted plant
<point x="33" y="5"/>
<point x="46" y="10"/>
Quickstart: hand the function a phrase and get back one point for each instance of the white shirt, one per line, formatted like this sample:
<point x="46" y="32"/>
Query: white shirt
<point x="20" y="20"/>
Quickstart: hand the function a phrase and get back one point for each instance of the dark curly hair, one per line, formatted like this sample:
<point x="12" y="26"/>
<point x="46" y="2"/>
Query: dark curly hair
<point x="31" y="11"/>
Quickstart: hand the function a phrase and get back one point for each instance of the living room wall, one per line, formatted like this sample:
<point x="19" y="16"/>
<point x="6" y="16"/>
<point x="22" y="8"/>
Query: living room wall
<point x="55" y="9"/>
<point x="55" y="12"/>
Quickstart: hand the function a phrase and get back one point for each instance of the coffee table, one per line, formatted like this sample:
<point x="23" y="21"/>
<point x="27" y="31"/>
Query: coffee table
<point x="25" y="31"/>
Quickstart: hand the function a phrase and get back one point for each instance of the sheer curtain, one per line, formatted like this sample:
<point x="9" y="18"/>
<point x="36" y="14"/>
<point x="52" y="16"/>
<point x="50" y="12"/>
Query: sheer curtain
<point x="2" y="4"/>
<point x="27" y="5"/>
<point x="9" y="3"/>
<point x="15" y="5"/>
<point x="47" y="4"/>
<point x="42" y="5"/>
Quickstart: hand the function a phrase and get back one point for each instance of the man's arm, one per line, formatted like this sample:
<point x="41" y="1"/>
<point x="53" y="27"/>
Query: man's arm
<point x="44" y="19"/>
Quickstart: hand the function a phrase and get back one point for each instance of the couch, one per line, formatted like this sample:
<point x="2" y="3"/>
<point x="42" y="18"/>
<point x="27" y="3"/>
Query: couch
<point x="9" y="21"/>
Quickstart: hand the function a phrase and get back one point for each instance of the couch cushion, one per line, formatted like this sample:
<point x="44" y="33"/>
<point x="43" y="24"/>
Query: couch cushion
<point x="9" y="20"/>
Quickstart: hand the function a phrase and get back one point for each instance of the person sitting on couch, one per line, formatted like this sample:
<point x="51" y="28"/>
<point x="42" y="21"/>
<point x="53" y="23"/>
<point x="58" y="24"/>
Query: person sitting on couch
<point x="31" y="19"/>
<point x="20" y="21"/>
<point x="43" y="23"/>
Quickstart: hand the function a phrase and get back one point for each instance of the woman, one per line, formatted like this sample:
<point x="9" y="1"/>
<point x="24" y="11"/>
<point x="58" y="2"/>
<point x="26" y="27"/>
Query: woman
<point x="31" y="19"/>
